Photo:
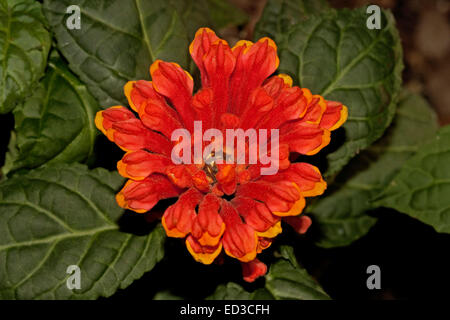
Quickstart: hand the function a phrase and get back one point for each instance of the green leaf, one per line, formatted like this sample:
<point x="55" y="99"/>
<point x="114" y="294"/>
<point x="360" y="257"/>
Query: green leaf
<point x="56" y="124"/>
<point x="335" y="55"/>
<point x="233" y="291"/>
<point x="166" y="295"/>
<point x="64" y="215"/>
<point x="341" y="212"/>
<point x="24" y="47"/>
<point x="279" y="16"/>
<point x="422" y="187"/>
<point x="119" y="40"/>
<point x="288" y="280"/>
<point x="224" y="14"/>
<point x="230" y="291"/>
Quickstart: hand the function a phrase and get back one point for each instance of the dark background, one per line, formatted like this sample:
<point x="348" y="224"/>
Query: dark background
<point x="414" y="259"/>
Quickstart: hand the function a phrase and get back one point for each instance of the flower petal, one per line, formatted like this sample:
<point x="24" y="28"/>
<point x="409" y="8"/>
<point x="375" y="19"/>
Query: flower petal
<point x="121" y="126"/>
<point x="306" y="177"/>
<point x="254" y="63"/>
<point x="179" y="217"/>
<point x="335" y="115"/>
<point x="304" y="138"/>
<point x="255" y="213"/>
<point x="253" y="270"/>
<point x="141" y="196"/>
<point x="279" y="196"/>
<point x="315" y="110"/>
<point x="260" y="103"/>
<point x="291" y="104"/>
<point x="219" y="63"/>
<point x="202" y="104"/>
<point x="300" y="223"/>
<point x="203" y="254"/>
<point x="170" y="80"/>
<point x="200" y="46"/>
<point x="208" y="226"/>
<point x="138" y="165"/>
<point x="239" y="240"/>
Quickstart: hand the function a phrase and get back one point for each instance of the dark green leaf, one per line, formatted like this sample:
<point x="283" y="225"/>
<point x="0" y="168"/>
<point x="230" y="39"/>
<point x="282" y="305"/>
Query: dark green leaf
<point x="422" y="187"/>
<point x="335" y="55"/>
<point x="64" y="215"/>
<point x="56" y="124"/>
<point x="233" y="291"/>
<point x="288" y="280"/>
<point x="224" y="14"/>
<point x="119" y="40"/>
<point x="166" y="295"/>
<point x="24" y="47"/>
<point x="341" y="212"/>
<point x="230" y="291"/>
<point x="279" y="16"/>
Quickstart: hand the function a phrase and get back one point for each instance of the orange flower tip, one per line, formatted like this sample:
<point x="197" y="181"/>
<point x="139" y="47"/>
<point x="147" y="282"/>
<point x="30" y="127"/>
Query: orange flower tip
<point x="272" y="232"/>
<point x="269" y="41"/>
<point x="203" y="30"/>
<point x="154" y="66"/>
<point x="128" y="87"/>
<point x="326" y="138"/>
<point x="99" y="122"/>
<point x="127" y="91"/>
<point x="249" y="256"/>
<point x="122" y="169"/>
<point x="271" y="44"/>
<point x="286" y="78"/>
<point x="243" y="43"/>
<point x="189" y="75"/>
<point x="205" y="258"/>
<point x="296" y="208"/>
<point x="121" y="200"/>
<point x="173" y="233"/>
<point x="208" y="240"/>
<point x="307" y="94"/>
<point x="246" y="258"/>
<point x="344" y="117"/>
<point x="200" y="32"/>
<point x="319" y="188"/>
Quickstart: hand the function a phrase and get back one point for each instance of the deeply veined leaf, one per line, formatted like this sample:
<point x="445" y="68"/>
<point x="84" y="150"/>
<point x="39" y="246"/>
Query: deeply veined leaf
<point x="55" y="124"/>
<point x="119" y="40"/>
<point x="286" y="279"/>
<point x="341" y="214"/>
<point x="333" y="53"/>
<point x="63" y="215"/>
<point x="24" y="47"/>
<point x="422" y="187"/>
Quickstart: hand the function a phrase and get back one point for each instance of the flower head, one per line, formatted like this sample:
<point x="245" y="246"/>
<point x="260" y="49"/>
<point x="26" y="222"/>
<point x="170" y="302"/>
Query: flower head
<point x="221" y="207"/>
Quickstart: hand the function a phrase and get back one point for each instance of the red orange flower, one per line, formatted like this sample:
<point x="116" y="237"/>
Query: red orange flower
<point x="229" y="208"/>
